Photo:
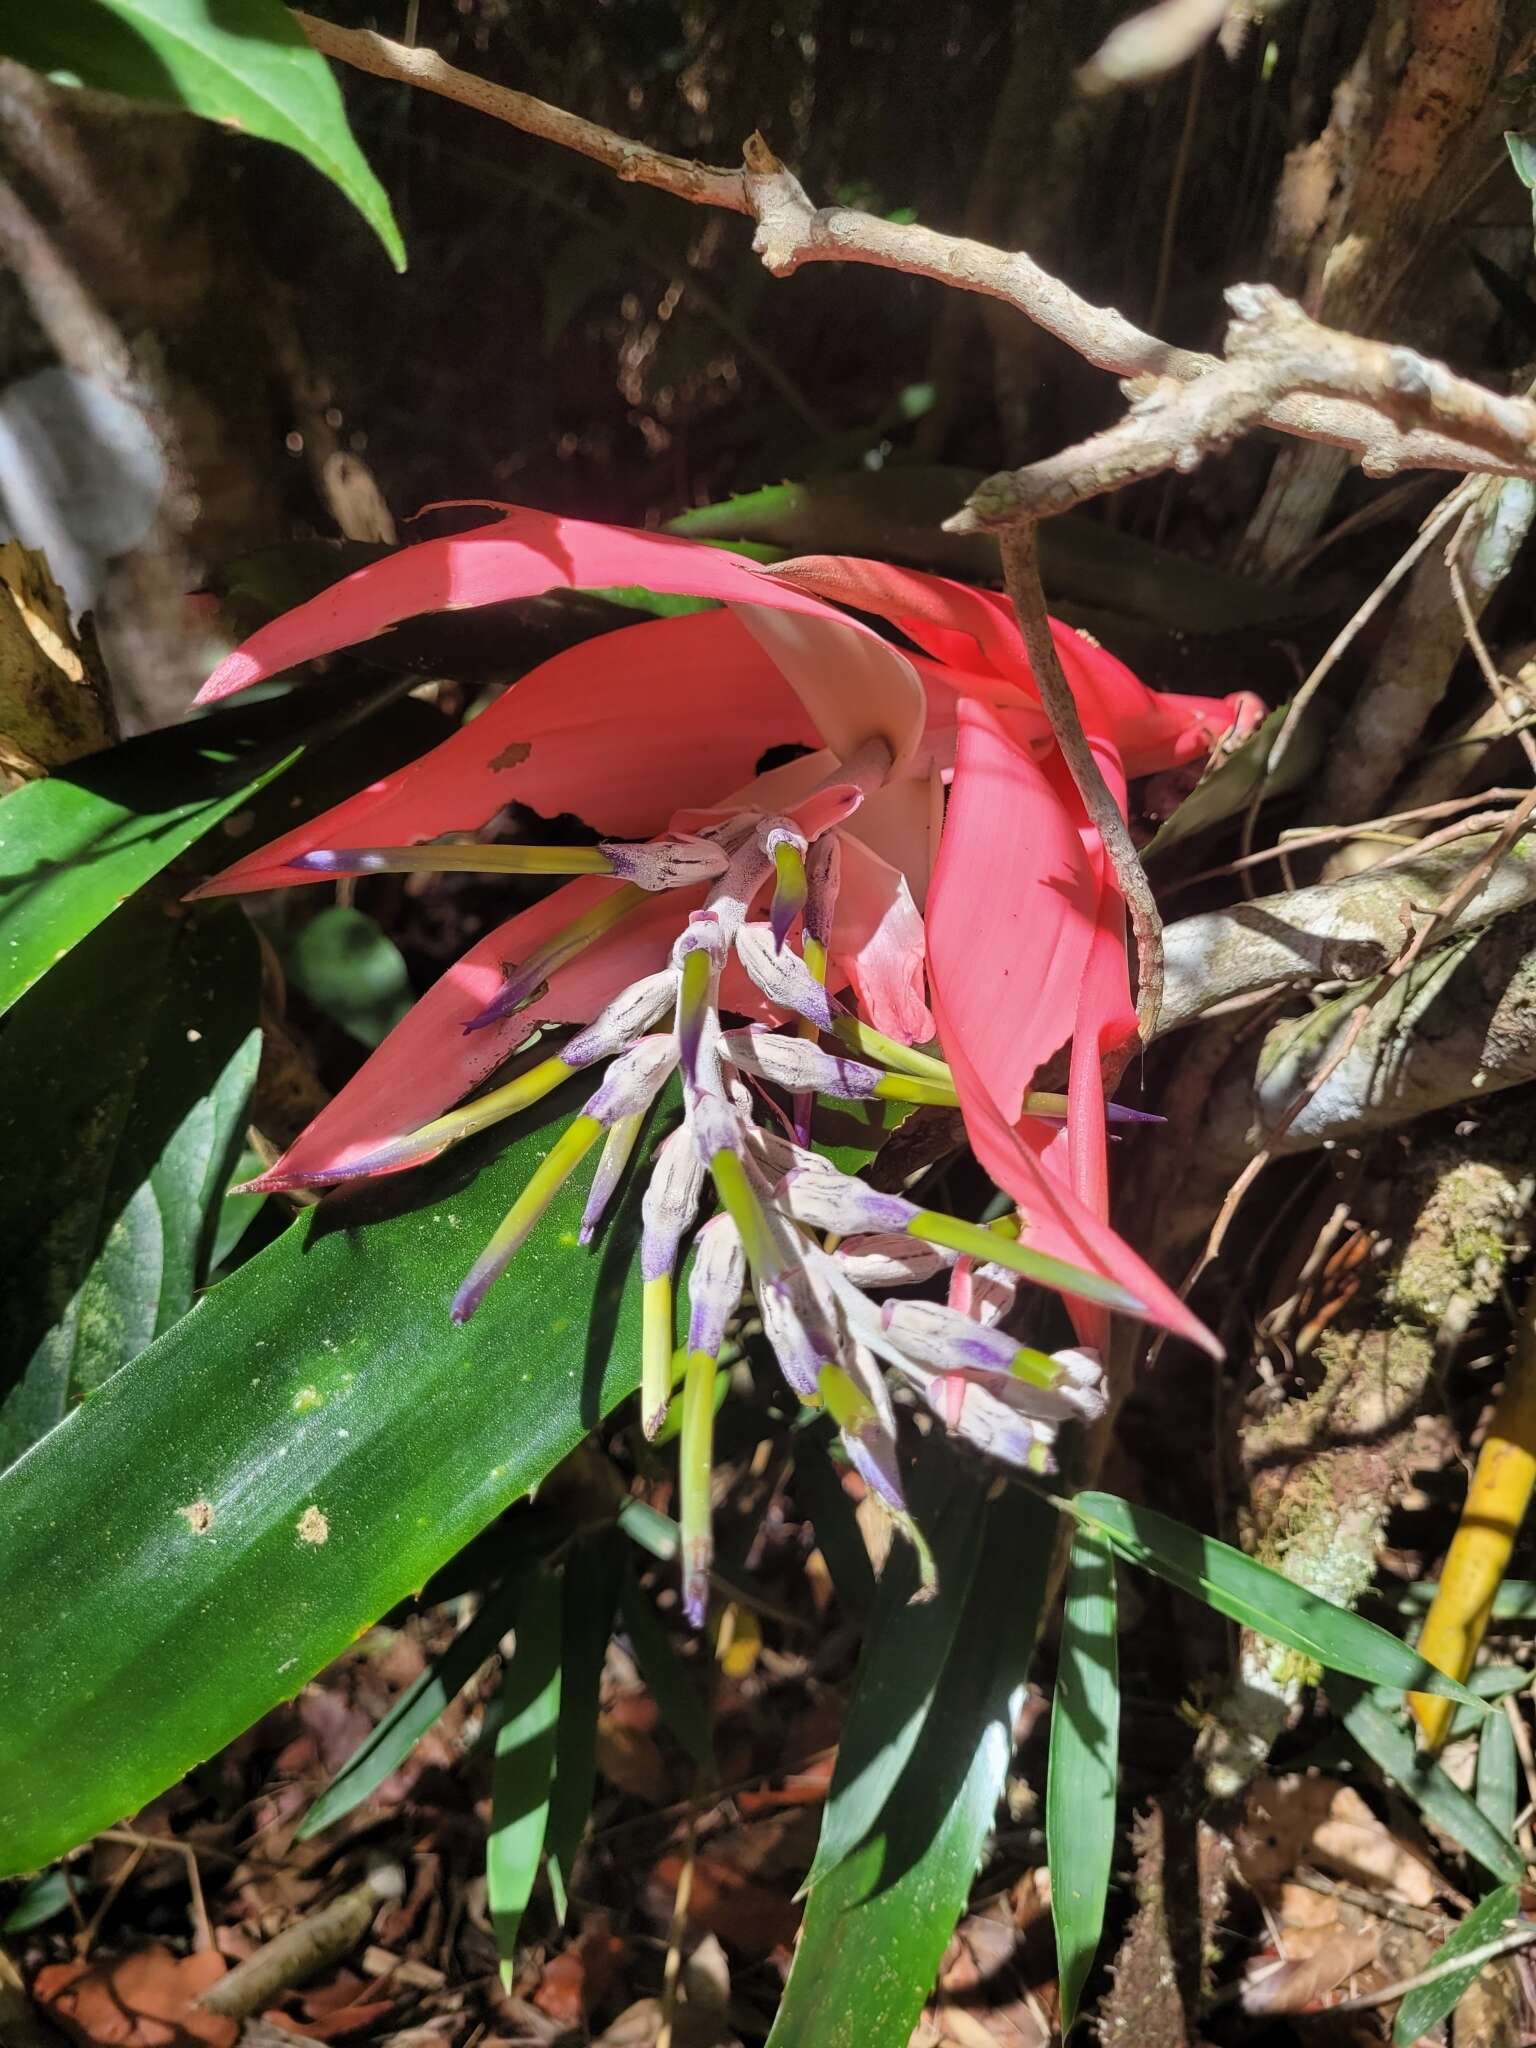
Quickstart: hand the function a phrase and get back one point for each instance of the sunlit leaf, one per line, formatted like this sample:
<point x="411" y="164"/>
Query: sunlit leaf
<point x="1083" y="1770"/>
<point x="1423" y="2009"/>
<point x="1258" y="1597"/>
<point x="524" y="1767"/>
<point x="245" y="63"/>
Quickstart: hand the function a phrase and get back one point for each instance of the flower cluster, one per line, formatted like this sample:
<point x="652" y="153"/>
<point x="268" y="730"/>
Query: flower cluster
<point x="768" y="946"/>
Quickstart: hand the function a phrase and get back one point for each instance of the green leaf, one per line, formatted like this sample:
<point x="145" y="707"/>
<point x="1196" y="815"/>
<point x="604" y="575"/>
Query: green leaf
<point x="1083" y="1772"/>
<point x="120" y="1148"/>
<point x="352" y="970"/>
<point x="1423" y="2009"/>
<point x="245" y="63"/>
<point x="1261" y="1599"/>
<point x="851" y="1134"/>
<point x="236" y="1212"/>
<point x="1389" y="1745"/>
<point x="283" y="1466"/>
<point x="1498" y="1774"/>
<point x="43" y="1899"/>
<point x="391" y="1741"/>
<point x="525" y="1762"/>
<point x="588" y="1596"/>
<point x="905" y="1656"/>
<point x="671" y="1686"/>
<point x="876" y="1927"/>
<point x="1522" y="154"/>
<point x="76" y="844"/>
<point x="1230" y="786"/>
<point x="1515" y="1599"/>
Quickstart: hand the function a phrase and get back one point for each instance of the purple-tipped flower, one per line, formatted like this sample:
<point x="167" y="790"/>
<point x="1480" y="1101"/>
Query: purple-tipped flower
<point x="678" y="860"/>
<point x="635" y="1079"/>
<point x="618" y="1147"/>
<point x="633" y="1011"/>
<point x="715" y="1281"/>
<point x="798" y="1063"/>
<point x="670" y="1203"/>
<point x="787" y="848"/>
<point x="835" y="1201"/>
<point x="783" y="977"/>
<point x="889" y="1261"/>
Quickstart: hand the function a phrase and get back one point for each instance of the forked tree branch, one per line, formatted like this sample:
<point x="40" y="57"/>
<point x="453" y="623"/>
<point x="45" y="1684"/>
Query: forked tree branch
<point x="1334" y="390"/>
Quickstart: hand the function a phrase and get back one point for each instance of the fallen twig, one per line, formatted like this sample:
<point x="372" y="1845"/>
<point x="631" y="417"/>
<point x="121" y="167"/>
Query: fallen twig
<point x="305" y="1949"/>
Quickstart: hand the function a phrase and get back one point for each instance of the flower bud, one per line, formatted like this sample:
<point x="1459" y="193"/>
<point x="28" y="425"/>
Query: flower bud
<point x="715" y="1282"/>
<point x="783" y="977"/>
<point x="833" y="1201"/>
<point x="798" y="1063"/>
<point x="633" y="1010"/>
<point x="676" y="861"/>
<point x="670" y="1202"/>
<point x="635" y="1079"/>
<point x="888" y="1261"/>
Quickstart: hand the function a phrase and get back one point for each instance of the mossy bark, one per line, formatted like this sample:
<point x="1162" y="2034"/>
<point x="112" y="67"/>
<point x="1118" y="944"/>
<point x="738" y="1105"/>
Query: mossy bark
<point x="1323" y="1463"/>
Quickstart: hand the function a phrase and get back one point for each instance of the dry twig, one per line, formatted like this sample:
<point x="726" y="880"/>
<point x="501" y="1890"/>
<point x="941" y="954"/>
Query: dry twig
<point x="1392" y="408"/>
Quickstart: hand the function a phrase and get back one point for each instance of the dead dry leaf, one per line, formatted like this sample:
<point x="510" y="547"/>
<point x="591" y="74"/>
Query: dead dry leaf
<point x="140" y="2000"/>
<point x="1301" y="1822"/>
<point x="1298" y="1983"/>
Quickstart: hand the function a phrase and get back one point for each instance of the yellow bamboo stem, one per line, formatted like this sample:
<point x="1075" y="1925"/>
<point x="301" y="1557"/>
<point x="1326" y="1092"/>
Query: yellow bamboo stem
<point x="1495" y="1507"/>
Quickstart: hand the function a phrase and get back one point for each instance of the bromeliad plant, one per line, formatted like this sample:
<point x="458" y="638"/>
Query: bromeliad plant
<point x="789" y="927"/>
<point x="910" y="908"/>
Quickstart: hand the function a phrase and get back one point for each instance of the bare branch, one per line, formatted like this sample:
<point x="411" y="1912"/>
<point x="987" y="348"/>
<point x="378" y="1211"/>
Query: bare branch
<point x="1391" y="408"/>
<point x="1151" y="44"/>
<point x="1348" y="930"/>
<point x="632" y="162"/>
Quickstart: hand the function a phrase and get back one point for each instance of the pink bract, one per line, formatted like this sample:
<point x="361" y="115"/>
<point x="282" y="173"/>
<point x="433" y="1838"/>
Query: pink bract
<point x="637" y="730"/>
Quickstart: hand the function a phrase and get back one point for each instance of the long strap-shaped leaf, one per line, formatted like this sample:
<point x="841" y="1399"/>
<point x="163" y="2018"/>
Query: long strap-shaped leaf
<point x="1387" y="1744"/>
<point x="525" y="1762"/>
<point x="1259" y="1598"/>
<point x="1423" y="2009"/>
<point x="589" y="1591"/>
<point x="1084" y="1766"/>
<point x="390" y="1741"/>
<point x="902" y="1669"/>
<point x="876" y="1927"/>
<point x="286" y="1463"/>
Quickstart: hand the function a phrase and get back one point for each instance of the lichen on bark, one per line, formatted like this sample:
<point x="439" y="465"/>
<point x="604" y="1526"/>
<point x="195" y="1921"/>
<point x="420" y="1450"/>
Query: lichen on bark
<point x="1326" y="1448"/>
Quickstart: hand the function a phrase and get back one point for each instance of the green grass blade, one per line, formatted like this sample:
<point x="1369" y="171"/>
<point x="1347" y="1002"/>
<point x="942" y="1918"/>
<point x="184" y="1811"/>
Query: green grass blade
<point x="677" y="1696"/>
<point x="1423" y="2009"/>
<point x="1390" y="1746"/>
<point x="524" y="1767"/>
<point x="588" y="1596"/>
<point x="1498" y="1774"/>
<point x="877" y="1926"/>
<point x="393" y="1739"/>
<point x="1259" y="1598"/>
<point x="1084" y="1766"/>
<point x="905" y="1656"/>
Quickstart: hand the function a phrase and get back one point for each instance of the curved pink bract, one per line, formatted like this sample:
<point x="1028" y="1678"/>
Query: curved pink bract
<point x="643" y="728"/>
